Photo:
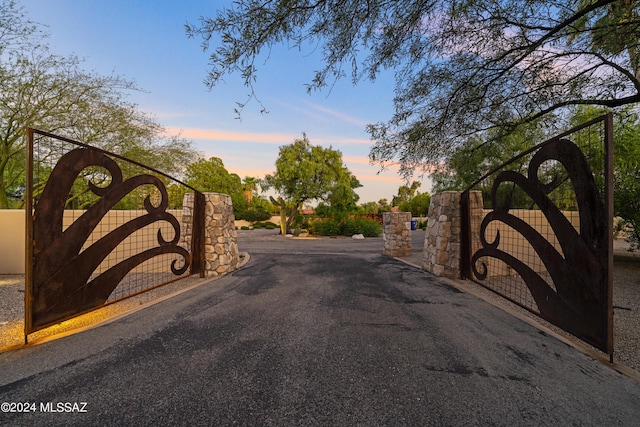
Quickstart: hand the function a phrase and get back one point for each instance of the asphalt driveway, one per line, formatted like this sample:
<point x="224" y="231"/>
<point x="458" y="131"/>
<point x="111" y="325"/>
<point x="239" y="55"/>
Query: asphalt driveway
<point x="315" y="332"/>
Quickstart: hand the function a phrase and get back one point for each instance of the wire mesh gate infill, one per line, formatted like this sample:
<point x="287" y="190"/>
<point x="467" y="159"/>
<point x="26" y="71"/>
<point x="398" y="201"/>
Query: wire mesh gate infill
<point x="545" y="240"/>
<point x="99" y="229"/>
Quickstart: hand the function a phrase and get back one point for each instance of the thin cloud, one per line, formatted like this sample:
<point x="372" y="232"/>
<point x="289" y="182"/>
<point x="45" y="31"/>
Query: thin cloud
<point x="379" y="178"/>
<point x="166" y="115"/>
<point x="339" y="115"/>
<point x="358" y="160"/>
<point x="223" y="135"/>
<point x="254" y="172"/>
<point x="337" y="140"/>
<point x="262" y="137"/>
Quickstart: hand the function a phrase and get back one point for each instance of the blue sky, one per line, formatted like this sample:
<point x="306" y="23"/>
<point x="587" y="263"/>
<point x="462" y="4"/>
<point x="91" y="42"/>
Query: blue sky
<point x="145" y="41"/>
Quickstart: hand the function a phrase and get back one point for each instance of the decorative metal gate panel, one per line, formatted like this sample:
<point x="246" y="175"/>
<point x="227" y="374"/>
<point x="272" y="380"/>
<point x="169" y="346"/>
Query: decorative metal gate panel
<point x="539" y="231"/>
<point x="82" y="254"/>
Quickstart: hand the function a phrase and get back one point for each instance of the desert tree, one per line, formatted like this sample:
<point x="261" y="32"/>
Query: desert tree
<point x="210" y="175"/>
<point x="462" y="67"/>
<point x="306" y="172"/>
<point x="54" y="93"/>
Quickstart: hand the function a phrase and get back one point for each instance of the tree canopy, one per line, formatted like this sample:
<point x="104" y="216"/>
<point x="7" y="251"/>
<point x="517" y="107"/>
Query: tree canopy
<point x="467" y="165"/>
<point x="462" y="67"/>
<point x="405" y="192"/>
<point x="306" y="172"/>
<point x="211" y="175"/>
<point x="51" y="92"/>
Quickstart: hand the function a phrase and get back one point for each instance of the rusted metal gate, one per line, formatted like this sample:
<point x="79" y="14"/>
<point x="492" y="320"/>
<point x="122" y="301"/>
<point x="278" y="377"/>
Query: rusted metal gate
<point x="538" y="231"/>
<point x="83" y="254"/>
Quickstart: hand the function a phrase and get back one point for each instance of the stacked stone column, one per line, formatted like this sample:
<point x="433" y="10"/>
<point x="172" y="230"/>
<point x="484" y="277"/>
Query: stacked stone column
<point x="443" y="237"/>
<point x="397" y="234"/>
<point x="441" y="255"/>
<point x="221" y="239"/>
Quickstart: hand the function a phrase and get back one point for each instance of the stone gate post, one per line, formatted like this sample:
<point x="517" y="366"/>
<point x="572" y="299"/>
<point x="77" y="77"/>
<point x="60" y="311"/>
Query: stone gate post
<point x="443" y="237"/>
<point x="397" y="234"/>
<point x="221" y="238"/>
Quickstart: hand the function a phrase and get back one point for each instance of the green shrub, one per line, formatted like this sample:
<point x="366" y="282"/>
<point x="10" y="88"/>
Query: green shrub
<point x="327" y="227"/>
<point x="347" y="227"/>
<point x="268" y="225"/>
<point x="366" y="227"/>
<point x="306" y="221"/>
<point x="244" y="227"/>
<point x="251" y="215"/>
<point x="417" y="205"/>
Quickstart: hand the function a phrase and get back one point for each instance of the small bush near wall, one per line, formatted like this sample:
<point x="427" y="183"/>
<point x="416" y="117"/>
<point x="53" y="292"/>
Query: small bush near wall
<point x="326" y="227"/>
<point x="366" y="227"/>
<point x="347" y="227"/>
<point x="252" y="215"/>
<point x="267" y="225"/>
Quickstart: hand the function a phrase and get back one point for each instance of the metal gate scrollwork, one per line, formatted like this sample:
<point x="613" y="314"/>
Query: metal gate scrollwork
<point x="64" y="279"/>
<point x="572" y="286"/>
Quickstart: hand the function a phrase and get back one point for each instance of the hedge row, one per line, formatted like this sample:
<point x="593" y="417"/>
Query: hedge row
<point x="347" y="227"/>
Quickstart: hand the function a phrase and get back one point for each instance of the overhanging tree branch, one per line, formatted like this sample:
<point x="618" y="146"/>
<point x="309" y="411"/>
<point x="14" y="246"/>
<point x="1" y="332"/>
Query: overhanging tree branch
<point x="461" y="68"/>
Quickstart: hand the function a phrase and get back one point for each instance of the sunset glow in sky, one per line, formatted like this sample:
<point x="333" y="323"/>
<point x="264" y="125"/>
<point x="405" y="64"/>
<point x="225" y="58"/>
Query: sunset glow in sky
<point x="145" y="41"/>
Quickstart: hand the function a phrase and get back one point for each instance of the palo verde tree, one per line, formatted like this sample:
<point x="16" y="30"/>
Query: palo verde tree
<point x="53" y="93"/>
<point x="461" y="67"/>
<point x="306" y="172"/>
<point x="626" y="166"/>
<point x="409" y="199"/>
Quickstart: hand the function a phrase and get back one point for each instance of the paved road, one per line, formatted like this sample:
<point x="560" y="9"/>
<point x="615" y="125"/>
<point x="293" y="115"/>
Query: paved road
<point x="317" y="333"/>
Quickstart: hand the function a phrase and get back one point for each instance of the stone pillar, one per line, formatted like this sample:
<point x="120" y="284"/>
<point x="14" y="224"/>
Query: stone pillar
<point x="443" y="237"/>
<point x="221" y="239"/>
<point x="441" y="255"/>
<point x="397" y="234"/>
